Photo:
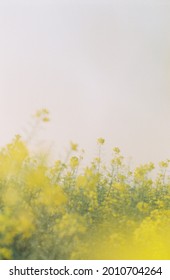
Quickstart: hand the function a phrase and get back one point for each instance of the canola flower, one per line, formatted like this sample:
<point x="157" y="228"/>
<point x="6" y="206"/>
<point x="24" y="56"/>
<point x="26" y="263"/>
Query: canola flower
<point x="101" y="212"/>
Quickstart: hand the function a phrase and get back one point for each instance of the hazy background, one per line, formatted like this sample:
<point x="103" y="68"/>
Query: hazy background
<point x="102" y="68"/>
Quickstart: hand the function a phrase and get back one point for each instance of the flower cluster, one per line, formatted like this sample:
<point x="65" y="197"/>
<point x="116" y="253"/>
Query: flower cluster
<point x="100" y="212"/>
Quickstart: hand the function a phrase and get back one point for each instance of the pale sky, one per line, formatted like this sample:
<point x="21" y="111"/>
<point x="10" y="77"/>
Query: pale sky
<point x="101" y="67"/>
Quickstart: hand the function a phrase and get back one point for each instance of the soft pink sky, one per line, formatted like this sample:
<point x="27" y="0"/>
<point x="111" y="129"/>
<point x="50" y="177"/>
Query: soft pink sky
<point x="101" y="67"/>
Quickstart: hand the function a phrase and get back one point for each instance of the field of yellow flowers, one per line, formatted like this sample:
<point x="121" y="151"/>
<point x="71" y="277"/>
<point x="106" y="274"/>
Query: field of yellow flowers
<point x="102" y="212"/>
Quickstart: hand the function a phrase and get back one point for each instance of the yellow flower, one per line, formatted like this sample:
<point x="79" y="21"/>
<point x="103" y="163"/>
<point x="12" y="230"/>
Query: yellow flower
<point x="5" y="253"/>
<point x="164" y="164"/>
<point x="25" y="224"/>
<point x="142" y="206"/>
<point x="81" y="181"/>
<point x="74" y="162"/>
<point x="116" y="150"/>
<point x="100" y="141"/>
<point x="51" y="197"/>
<point x="45" y="119"/>
<point x="42" y="114"/>
<point x="73" y="146"/>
